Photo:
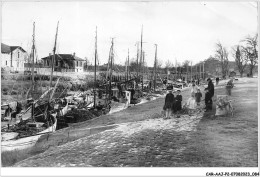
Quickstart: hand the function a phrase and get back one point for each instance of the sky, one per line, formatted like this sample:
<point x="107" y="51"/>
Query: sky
<point x="181" y="30"/>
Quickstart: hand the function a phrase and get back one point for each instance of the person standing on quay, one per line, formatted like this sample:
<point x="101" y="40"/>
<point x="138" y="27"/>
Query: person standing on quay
<point x="210" y="90"/>
<point x="169" y="104"/>
<point x="178" y="100"/>
<point x="217" y="81"/>
<point x="194" y="88"/>
<point x="198" y="96"/>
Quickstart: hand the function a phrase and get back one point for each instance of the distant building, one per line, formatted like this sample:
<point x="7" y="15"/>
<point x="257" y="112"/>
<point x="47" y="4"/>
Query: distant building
<point x="65" y="63"/>
<point x="213" y="68"/>
<point x="13" y="57"/>
<point x="233" y="68"/>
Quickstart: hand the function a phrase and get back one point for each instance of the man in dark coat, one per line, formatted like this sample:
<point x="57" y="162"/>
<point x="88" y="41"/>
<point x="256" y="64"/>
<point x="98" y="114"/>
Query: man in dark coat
<point x="217" y="80"/>
<point x="210" y="87"/>
<point x="178" y="100"/>
<point x="209" y="94"/>
<point x="208" y="100"/>
<point x="169" y="103"/>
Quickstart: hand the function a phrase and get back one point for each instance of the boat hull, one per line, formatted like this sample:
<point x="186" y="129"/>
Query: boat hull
<point x="26" y="142"/>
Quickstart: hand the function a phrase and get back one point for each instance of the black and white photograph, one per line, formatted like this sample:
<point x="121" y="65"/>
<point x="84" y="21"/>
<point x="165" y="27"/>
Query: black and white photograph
<point x="129" y="84"/>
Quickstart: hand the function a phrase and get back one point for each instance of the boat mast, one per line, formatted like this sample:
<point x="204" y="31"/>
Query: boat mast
<point x="53" y="57"/>
<point x="95" y="70"/>
<point x="141" y="52"/>
<point x="128" y="72"/>
<point x="137" y="55"/>
<point x="33" y="48"/>
<point x="155" y="63"/>
<point x="191" y="71"/>
<point x="143" y="74"/>
<point x="111" y="68"/>
<point x="125" y="69"/>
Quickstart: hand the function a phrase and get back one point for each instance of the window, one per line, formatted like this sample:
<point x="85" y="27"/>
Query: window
<point x="18" y="54"/>
<point x="6" y="63"/>
<point x="47" y="62"/>
<point x="80" y="63"/>
<point x="77" y="63"/>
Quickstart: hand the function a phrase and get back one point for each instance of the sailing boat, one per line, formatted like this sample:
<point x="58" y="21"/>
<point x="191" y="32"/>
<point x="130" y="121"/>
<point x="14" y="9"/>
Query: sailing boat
<point x="26" y="133"/>
<point x="100" y="108"/>
<point x="79" y="112"/>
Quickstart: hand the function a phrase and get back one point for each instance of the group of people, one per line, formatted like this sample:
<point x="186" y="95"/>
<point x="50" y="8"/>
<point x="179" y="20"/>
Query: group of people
<point x="173" y="104"/>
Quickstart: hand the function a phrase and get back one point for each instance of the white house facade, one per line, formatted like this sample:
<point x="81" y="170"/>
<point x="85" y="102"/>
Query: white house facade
<point x="13" y="57"/>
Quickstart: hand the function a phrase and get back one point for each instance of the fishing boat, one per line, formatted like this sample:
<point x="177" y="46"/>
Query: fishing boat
<point x="25" y="133"/>
<point x="86" y="105"/>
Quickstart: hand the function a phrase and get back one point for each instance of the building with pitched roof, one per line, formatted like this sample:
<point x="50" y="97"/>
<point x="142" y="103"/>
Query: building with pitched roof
<point x="65" y="63"/>
<point x="13" y="57"/>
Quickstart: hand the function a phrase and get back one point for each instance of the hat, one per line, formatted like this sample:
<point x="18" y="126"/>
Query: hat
<point x="206" y="89"/>
<point x="178" y="90"/>
<point x="208" y="79"/>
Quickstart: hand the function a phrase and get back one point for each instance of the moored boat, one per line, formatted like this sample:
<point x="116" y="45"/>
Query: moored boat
<point x="26" y="136"/>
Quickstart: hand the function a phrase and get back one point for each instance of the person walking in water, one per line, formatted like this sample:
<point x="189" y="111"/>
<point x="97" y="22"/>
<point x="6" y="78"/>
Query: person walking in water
<point x="169" y="104"/>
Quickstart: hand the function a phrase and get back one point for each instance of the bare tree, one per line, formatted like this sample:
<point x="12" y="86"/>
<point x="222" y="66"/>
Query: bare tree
<point x="86" y="64"/>
<point x="159" y="64"/>
<point x="133" y="65"/>
<point x="222" y="56"/>
<point x="186" y="65"/>
<point x="250" y="49"/>
<point x="240" y="58"/>
<point x="168" y="65"/>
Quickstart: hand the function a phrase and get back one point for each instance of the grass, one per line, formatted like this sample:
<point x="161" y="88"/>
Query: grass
<point x="230" y="141"/>
<point x="10" y="158"/>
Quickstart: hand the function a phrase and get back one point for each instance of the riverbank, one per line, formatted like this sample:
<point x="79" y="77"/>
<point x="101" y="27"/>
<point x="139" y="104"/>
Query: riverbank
<point x="139" y="136"/>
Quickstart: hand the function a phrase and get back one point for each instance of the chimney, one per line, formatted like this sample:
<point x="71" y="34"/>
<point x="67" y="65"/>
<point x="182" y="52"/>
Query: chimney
<point x="74" y="54"/>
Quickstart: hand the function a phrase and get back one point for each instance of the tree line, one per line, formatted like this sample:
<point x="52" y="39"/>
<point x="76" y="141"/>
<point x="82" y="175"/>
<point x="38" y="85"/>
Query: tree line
<point x="245" y="54"/>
